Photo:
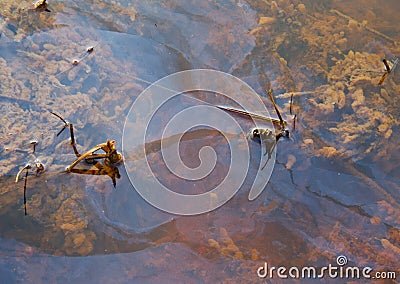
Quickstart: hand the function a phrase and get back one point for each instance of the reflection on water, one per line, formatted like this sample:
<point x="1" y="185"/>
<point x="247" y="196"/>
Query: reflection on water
<point x="335" y="187"/>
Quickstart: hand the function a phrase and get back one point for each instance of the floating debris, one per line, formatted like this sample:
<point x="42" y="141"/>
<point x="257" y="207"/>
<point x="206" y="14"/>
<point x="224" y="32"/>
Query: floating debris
<point x="41" y="5"/>
<point x="90" y="49"/>
<point x="111" y="156"/>
<point x="33" y="143"/>
<point x="389" y="67"/>
<point x="39" y="169"/>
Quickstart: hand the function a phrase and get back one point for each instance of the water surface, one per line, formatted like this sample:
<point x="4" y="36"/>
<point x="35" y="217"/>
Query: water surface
<point x="334" y="189"/>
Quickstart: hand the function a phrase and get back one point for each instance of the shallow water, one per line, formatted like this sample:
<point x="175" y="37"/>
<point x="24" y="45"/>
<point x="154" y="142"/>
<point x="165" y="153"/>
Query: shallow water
<point x="335" y="186"/>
